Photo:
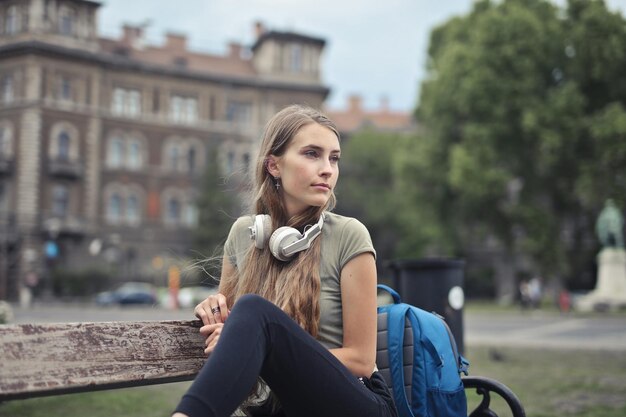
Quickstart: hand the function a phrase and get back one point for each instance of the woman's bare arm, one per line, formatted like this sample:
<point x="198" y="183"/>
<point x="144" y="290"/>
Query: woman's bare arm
<point x="358" y="294"/>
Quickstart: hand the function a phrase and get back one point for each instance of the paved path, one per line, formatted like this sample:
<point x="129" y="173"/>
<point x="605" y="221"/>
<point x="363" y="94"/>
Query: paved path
<point x="538" y="329"/>
<point x="530" y="329"/>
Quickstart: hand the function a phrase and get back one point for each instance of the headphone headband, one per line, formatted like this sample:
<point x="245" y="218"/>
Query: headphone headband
<point x="286" y="241"/>
<point x="310" y="233"/>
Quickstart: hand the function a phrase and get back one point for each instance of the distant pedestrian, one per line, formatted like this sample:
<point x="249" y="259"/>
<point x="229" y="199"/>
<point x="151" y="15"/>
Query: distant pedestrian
<point x="534" y="291"/>
<point x="565" y="301"/>
<point x="524" y="294"/>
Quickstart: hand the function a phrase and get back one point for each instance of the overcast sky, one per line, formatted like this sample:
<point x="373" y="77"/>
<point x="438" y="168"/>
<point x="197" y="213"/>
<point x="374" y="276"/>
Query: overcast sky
<point x="375" y="48"/>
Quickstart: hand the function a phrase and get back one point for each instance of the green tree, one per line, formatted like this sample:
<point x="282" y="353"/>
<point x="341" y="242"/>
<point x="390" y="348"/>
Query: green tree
<point x="366" y="188"/>
<point x="218" y="206"/>
<point x="523" y="108"/>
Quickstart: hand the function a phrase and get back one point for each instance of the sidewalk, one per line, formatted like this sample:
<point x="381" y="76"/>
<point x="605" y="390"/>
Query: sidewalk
<point x="539" y="329"/>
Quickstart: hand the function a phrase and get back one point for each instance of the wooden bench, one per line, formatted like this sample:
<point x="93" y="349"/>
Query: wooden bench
<point x="51" y="359"/>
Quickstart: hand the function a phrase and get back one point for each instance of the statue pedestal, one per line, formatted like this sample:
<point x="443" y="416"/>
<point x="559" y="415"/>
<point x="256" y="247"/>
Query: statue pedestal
<point x="610" y="291"/>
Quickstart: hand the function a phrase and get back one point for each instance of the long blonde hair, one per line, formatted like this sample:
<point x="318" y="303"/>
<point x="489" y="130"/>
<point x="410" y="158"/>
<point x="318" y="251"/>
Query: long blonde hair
<point x="293" y="286"/>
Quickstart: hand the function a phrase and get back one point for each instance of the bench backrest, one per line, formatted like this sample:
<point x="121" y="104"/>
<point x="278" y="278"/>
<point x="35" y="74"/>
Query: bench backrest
<point x="49" y="359"/>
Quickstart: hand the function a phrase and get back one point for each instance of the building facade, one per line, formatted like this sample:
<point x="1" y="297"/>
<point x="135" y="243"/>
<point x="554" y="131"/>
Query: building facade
<point x="103" y="141"/>
<point x="355" y="118"/>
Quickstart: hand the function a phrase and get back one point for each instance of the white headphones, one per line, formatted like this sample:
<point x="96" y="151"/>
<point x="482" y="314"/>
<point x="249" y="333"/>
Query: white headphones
<point x="286" y="241"/>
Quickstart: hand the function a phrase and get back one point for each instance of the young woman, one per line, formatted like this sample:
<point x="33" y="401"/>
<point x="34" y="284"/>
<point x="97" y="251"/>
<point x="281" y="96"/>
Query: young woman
<point x="297" y="298"/>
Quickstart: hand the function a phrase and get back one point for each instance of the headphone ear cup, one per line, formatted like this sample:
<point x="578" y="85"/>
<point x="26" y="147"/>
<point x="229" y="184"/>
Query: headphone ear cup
<point x="262" y="229"/>
<point x="281" y="238"/>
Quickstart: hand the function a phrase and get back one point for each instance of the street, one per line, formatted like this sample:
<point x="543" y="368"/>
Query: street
<point x="529" y="329"/>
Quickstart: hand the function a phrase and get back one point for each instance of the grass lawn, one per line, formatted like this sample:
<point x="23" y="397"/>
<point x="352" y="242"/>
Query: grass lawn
<point x="550" y="383"/>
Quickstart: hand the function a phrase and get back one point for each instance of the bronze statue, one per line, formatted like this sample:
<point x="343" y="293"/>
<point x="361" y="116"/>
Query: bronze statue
<point x="610" y="226"/>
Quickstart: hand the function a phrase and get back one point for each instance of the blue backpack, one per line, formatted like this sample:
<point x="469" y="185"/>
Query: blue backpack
<point x="417" y="353"/>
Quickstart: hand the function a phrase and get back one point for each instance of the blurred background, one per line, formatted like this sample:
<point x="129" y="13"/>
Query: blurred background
<point x="486" y="131"/>
<point x="491" y="132"/>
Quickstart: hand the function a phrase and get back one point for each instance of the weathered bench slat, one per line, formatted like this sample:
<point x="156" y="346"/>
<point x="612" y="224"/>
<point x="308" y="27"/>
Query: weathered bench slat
<point x="49" y="359"/>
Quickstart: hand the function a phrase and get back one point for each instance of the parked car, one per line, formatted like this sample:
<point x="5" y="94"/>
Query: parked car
<point x="127" y="294"/>
<point x="191" y="296"/>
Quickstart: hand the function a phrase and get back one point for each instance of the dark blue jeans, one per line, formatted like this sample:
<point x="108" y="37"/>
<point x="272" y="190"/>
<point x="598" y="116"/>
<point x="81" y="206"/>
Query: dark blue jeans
<point x="259" y="339"/>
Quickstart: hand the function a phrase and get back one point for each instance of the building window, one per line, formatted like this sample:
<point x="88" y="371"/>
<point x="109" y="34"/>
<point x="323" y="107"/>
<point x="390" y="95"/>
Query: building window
<point x="12" y="21"/>
<point x="126" y="102"/>
<point x="114" y="208"/>
<point x="65" y="88"/>
<point x="67" y="21"/>
<point x="191" y="215"/>
<point x="230" y="162"/>
<point x="115" y="154"/>
<point x="173" y="157"/>
<point x="192" y="159"/>
<point x="296" y="58"/>
<point x="183" y="109"/>
<point x="123" y="204"/>
<point x="7" y="92"/>
<point x="239" y="113"/>
<point x="135" y="160"/>
<point x="245" y="160"/>
<point x="6" y="142"/>
<point x="134" y="103"/>
<point x="173" y="210"/>
<point x="60" y="200"/>
<point x="132" y="209"/>
<point x="63" y="146"/>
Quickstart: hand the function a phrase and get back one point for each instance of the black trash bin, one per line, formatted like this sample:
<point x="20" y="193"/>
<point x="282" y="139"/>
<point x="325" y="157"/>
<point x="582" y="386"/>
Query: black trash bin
<point x="434" y="285"/>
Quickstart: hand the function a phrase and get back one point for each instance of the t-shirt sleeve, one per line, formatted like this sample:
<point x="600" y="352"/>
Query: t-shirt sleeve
<point x="355" y="240"/>
<point x="236" y="240"/>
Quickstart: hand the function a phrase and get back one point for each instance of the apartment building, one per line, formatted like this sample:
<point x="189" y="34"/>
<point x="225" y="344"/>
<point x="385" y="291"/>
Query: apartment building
<point x="103" y="141"/>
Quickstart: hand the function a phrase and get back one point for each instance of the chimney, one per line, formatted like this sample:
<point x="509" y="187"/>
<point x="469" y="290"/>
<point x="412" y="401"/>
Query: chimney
<point x="176" y="42"/>
<point x="132" y="36"/>
<point x="384" y="104"/>
<point x="354" y="103"/>
<point x="234" y="50"/>
<point x="259" y="29"/>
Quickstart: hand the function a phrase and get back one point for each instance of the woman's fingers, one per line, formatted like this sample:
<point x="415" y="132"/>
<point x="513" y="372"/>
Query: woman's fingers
<point x="212" y="310"/>
<point x="214" y="331"/>
<point x="208" y="329"/>
<point x="203" y="312"/>
<point x="222" y="308"/>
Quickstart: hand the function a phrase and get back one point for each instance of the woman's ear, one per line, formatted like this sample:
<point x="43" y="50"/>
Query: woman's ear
<point x="272" y="166"/>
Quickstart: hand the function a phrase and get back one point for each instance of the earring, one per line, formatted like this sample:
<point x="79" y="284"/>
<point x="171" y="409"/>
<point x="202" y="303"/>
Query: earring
<point x="277" y="183"/>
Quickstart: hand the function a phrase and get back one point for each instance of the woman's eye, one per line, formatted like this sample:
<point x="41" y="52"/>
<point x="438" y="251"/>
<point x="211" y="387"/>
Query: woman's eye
<point x="335" y="158"/>
<point x="312" y="154"/>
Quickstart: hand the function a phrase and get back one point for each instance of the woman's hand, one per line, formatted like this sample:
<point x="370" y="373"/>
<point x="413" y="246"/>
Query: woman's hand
<point x="212" y="310"/>
<point x="212" y="333"/>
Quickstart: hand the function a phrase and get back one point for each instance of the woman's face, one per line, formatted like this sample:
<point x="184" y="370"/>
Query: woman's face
<point x="309" y="168"/>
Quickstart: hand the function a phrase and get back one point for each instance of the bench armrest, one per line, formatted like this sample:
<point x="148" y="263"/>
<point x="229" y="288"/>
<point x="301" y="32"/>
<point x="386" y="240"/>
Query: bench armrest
<point x="484" y="386"/>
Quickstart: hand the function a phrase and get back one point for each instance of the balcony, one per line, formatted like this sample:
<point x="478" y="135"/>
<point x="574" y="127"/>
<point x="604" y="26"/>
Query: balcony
<point x="65" y="168"/>
<point x="6" y="165"/>
<point x="68" y="225"/>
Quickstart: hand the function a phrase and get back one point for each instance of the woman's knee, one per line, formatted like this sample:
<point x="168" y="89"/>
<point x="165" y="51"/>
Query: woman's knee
<point x="253" y="303"/>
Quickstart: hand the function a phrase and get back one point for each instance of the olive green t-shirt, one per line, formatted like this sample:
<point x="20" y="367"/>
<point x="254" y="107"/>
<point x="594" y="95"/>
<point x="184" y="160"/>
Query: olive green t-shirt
<point x="343" y="238"/>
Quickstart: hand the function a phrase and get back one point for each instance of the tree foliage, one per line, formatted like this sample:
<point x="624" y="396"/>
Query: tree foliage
<point x="523" y="108"/>
<point x="366" y="186"/>
<point x="218" y="206"/>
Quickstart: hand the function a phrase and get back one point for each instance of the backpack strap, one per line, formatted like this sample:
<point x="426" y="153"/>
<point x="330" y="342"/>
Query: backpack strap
<point x="395" y="328"/>
<point x="418" y="385"/>
<point x="394" y="293"/>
